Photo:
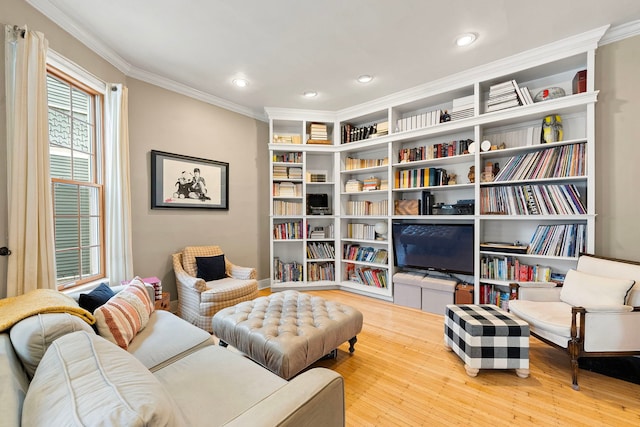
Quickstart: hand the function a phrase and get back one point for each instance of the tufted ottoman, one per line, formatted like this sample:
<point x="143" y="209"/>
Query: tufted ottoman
<point x="287" y="331"/>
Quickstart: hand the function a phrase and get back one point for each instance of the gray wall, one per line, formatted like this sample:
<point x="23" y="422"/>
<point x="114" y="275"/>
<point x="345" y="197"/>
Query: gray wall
<point x="163" y="120"/>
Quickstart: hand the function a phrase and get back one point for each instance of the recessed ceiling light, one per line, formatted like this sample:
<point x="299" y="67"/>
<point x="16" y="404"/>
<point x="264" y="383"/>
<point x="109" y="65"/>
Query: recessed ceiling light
<point x="365" y="78"/>
<point x="310" y="94"/>
<point x="240" y="82"/>
<point x="466" y="39"/>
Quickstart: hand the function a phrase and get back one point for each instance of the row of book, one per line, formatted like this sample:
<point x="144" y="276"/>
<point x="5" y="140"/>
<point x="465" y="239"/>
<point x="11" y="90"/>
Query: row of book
<point x="361" y="231"/>
<point x="287" y="189"/>
<point x="320" y="232"/>
<point x="286" y="172"/>
<point x="566" y="240"/>
<point x="417" y="178"/>
<point x="490" y="294"/>
<point x="532" y="200"/>
<point x="435" y="151"/>
<point x="510" y="268"/>
<point x="350" y="133"/>
<point x="366" y="207"/>
<point x="281" y="207"/>
<point x="366" y="276"/>
<point x="287" y="271"/>
<point x="287" y="230"/>
<point x="320" y="271"/>
<point x="293" y="157"/>
<point x="420" y="120"/>
<point x="556" y="162"/>
<point x="355" y="252"/>
<point x="351" y="163"/>
<point x="320" y="250"/>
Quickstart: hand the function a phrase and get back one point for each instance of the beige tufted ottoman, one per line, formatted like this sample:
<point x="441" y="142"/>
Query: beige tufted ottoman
<point x="287" y="331"/>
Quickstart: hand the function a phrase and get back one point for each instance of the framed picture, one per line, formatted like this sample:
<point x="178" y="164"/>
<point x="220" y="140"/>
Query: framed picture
<point x="179" y="181"/>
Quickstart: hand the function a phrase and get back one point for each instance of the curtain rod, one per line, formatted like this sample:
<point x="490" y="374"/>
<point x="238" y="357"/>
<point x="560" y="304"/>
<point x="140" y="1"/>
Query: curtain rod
<point x="16" y="29"/>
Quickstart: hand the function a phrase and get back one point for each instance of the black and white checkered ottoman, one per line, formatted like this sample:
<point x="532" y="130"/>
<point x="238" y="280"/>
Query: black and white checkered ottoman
<point x="487" y="337"/>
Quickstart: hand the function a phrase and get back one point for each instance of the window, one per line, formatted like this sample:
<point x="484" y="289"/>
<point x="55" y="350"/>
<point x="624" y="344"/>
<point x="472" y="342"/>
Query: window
<point x="75" y="135"/>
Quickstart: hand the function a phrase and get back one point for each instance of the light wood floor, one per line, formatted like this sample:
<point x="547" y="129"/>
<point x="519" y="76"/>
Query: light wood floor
<point x="402" y="375"/>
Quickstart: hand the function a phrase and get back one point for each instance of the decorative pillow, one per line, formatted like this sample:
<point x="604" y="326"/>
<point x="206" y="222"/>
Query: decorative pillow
<point x="96" y="297"/>
<point x="124" y="315"/>
<point x="190" y="253"/>
<point x="211" y="268"/>
<point x="31" y="337"/>
<point x="84" y="380"/>
<point x="586" y="290"/>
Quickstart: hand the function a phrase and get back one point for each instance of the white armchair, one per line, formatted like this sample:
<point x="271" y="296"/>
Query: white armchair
<point x="596" y="313"/>
<point x="199" y="300"/>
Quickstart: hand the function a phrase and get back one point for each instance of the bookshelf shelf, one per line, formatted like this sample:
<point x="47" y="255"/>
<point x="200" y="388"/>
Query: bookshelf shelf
<point x="410" y="142"/>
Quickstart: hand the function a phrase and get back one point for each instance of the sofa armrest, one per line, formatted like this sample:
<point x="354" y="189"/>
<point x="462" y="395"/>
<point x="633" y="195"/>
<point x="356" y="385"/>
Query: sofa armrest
<point x="242" y="273"/>
<point x="184" y="279"/>
<point x="313" y="398"/>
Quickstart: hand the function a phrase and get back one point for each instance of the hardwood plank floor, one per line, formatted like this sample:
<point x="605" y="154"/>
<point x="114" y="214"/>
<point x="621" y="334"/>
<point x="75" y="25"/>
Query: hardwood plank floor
<point x="401" y="374"/>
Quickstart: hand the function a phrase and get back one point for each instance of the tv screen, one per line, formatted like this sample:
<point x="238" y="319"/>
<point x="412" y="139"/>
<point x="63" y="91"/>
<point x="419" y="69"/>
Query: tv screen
<point x="440" y="247"/>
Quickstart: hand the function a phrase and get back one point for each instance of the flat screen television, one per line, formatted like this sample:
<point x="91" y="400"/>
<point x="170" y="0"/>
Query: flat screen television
<point x="438" y="247"/>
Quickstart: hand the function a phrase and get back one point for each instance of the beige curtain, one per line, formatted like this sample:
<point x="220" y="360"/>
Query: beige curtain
<point x="31" y="264"/>
<point x="117" y="185"/>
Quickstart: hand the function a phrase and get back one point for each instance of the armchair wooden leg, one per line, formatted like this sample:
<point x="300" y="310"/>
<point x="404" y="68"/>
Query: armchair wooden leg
<point x="573" y="353"/>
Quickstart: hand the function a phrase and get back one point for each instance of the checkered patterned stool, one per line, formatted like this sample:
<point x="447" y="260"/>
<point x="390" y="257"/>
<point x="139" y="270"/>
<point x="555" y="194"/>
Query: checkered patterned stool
<point x="487" y="337"/>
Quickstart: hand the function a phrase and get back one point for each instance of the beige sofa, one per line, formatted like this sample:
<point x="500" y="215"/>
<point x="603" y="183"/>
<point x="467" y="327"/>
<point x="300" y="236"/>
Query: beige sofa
<point x="54" y="370"/>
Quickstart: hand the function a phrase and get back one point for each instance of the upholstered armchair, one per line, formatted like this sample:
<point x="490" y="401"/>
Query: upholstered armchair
<point x="595" y="313"/>
<point x="198" y="299"/>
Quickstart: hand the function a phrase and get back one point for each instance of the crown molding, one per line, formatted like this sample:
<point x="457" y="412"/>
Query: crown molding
<point x="620" y="32"/>
<point x="63" y="21"/>
<point x="543" y="54"/>
<point x="277" y="113"/>
<point x="183" y="89"/>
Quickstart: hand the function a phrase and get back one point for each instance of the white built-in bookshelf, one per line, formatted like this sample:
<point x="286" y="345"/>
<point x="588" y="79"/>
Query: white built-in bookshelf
<point x="390" y="151"/>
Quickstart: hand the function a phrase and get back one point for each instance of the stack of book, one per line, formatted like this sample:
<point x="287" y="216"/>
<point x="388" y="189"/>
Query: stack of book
<point x="352" y="163"/>
<point x="504" y="95"/>
<point x="288" y="189"/>
<point x="295" y="173"/>
<point x="353" y="186"/>
<point x="318" y="134"/>
<point x="462" y="108"/>
<point x="361" y="231"/>
<point x="371" y="183"/>
<point x="280" y="172"/>
<point x="381" y="129"/>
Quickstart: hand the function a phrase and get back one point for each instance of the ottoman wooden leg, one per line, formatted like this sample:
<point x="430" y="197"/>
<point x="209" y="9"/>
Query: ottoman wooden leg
<point x="522" y="373"/>
<point x="352" y="343"/>
<point x="472" y="372"/>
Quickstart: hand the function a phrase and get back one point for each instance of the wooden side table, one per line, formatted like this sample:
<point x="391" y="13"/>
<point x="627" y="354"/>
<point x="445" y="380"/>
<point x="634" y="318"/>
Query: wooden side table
<point x="164" y="303"/>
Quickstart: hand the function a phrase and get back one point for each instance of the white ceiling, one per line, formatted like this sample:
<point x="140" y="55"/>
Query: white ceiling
<point x="286" y="47"/>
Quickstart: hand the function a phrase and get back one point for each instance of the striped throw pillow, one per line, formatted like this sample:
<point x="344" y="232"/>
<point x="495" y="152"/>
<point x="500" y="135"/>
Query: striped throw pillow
<point x="124" y="315"/>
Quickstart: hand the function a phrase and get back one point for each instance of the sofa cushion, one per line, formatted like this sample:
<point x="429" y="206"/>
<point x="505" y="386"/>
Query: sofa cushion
<point x="96" y="297"/>
<point x="588" y="290"/>
<point x="225" y="377"/>
<point x="31" y="337"/>
<point x="166" y="339"/>
<point x="85" y="380"/>
<point x="211" y="267"/>
<point x="228" y="289"/>
<point x="190" y="253"/>
<point x="124" y="315"/>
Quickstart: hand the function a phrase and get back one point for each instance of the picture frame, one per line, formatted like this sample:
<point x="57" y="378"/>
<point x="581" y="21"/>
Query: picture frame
<point x="187" y="182"/>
